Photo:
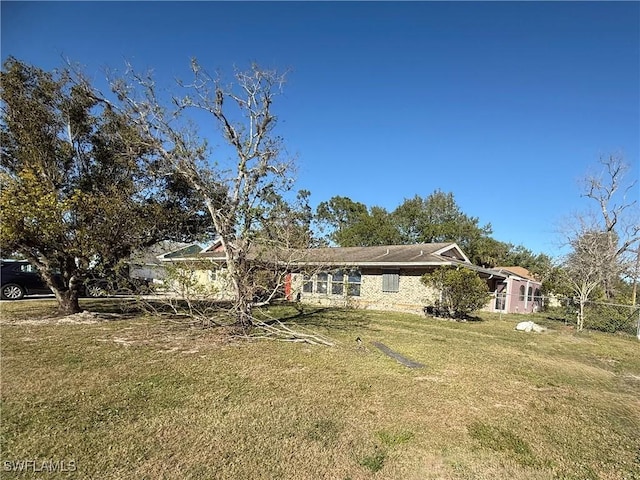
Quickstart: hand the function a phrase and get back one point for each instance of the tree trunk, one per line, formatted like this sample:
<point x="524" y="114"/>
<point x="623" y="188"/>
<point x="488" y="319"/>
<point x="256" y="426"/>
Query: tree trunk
<point x="243" y="293"/>
<point x="243" y="301"/>
<point x="67" y="293"/>
<point x="636" y="274"/>
<point x="68" y="302"/>
<point x="67" y="297"/>
<point x="580" y="324"/>
<point x="244" y="319"/>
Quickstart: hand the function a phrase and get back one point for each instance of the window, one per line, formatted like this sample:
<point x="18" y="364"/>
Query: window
<point x="538" y="297"/>
<point x="307" y="284"/>
<point x="522" y="293"/>
<point x="390" y="282"/>
<point x="337" y="283"/>
<point x="500" y="301"/>
<point x="321" y="282"/>
<point x="530" y="294"/>
<point x="28" y="268"/>
<point x="354" y="280"/>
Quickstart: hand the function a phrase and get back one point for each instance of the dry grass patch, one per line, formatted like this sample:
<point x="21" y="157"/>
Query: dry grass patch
<point x="143" y="398"/>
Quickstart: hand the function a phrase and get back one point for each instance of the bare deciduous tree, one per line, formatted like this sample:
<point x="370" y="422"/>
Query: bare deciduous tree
<point x="619" y="216"/>
<point x="602" y="242"/>
<point x="588" y="266"/>
<point x="244" y="196"/>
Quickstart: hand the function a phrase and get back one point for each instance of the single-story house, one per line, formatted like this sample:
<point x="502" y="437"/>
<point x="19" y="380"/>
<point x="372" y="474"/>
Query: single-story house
<point x="381" y="277"/>
<point x="388" y="278"/>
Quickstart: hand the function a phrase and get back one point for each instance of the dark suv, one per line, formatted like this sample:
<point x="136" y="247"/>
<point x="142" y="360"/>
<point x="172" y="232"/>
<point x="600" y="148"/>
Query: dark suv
<point x="20" y="278"/>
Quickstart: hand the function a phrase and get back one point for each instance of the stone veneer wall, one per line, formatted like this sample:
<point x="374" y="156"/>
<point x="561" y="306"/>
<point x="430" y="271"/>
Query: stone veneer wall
<point x="412" y="295"/>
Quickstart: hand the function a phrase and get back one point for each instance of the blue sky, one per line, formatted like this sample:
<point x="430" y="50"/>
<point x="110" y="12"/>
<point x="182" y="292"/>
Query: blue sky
<point x="504" y="104"/>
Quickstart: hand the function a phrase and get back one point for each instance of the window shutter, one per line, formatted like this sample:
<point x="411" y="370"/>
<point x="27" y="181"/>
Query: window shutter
<point x="390" y="282"/>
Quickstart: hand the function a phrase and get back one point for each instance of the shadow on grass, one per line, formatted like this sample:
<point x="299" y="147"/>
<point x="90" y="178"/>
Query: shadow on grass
<point x="317" y="317"/>
<point x="127" y="306"/>
<point x="465" y="319"/>
<point x="308" y="316"/>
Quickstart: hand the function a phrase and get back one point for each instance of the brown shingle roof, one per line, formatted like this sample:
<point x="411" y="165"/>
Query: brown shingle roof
<point x="424" y="253"/>
<point x="384" y="255"/>
<point x="519" y="271"/>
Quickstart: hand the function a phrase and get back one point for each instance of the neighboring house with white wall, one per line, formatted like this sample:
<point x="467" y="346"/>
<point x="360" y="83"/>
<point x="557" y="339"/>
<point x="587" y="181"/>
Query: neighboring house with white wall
<point x="150" y="264"/>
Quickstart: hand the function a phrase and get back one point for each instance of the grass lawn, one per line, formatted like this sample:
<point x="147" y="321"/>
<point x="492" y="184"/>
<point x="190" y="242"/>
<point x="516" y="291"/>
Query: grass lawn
<point x="145" y="398"/>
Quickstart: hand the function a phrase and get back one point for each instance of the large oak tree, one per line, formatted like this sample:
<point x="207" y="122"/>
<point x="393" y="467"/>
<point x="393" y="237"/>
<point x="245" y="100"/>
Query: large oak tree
<point x="76" y="190"/>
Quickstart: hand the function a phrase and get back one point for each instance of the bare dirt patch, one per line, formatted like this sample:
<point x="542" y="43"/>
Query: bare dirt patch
<point x="81" y="318"/>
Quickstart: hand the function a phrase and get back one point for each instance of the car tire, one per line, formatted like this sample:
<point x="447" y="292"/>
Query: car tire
<point x="12" y="291"/>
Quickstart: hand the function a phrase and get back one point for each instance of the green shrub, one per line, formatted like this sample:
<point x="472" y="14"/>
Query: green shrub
<point x="463" y="291"/>
<point x="611" y="318"/>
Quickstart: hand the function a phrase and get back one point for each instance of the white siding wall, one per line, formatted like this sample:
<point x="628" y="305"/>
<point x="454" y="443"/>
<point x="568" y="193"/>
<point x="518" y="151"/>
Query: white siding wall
<point x="211" y="284"/>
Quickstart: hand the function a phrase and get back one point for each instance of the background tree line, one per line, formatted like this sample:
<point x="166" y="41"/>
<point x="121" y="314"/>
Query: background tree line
<point x="435" y="218"/>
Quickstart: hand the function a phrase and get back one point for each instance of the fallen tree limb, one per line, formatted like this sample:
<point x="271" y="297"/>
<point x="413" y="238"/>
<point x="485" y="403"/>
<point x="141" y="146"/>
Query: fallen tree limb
<point x="276" y="330"/>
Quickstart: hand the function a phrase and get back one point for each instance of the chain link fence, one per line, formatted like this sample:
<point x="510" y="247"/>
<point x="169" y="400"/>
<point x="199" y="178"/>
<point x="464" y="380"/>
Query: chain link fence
<point x="607" y="317"/>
